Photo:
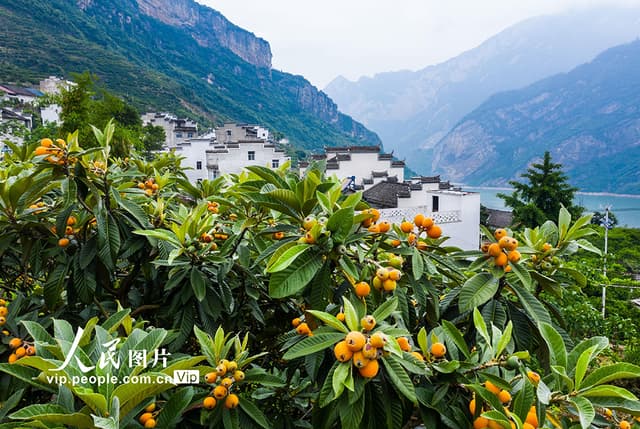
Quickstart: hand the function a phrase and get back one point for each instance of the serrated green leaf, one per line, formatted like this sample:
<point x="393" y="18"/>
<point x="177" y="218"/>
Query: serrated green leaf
<point x="417" y="264"/>
<point x="329" y="319"/>
<point x="254" y="413"/>
<point x="313" y="344"/>
<point x="339" y="376"/>
<point x="586" y="412"/>
<point x="612" y="372"/>
<point x="608" y="390"/>
<point x="350" y="315"/>
<point x="280" y="261"/>
<point x="476" y="291"/>
<point x="295" y="277"/>
<point x="340" y="224"/>
<point x="399" y="378"/>
<point x="455" y="336"/>
<point x="385" y="309"/>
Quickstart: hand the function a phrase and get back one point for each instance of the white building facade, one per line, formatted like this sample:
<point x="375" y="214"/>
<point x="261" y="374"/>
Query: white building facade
<point x="382" y="181"/>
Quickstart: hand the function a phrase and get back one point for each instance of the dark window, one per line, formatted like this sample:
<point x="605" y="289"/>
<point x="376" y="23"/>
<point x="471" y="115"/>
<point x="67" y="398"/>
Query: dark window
<point x="189" y="135"/>
<point x="251" y="155"/>
<point x="435" y="203"/>
<point x="198" y="165"/>
<point x="275" y="163"/>
<point x="179" y="135"/>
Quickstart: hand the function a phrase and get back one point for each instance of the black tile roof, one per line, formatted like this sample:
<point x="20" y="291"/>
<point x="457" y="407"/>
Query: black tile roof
<point x="385" y="194"/>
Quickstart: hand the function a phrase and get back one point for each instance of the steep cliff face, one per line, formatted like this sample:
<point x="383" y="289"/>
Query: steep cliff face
<point x="589" y="119"/>
<point x="208" y="27"/>
<point x="170" y="55"/>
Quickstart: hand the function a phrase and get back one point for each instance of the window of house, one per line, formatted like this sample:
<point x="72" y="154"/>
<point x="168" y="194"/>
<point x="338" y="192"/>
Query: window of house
<point x="435" y="203"/>
<point x="179" y="135"/>
<point x="275" y="163"/>
<point x="198" y="165"/>
<point x="213" y="173"/>
<point x="251" y="155"/>
<point x="189" y="135"/>
<point x="228" y="135"/>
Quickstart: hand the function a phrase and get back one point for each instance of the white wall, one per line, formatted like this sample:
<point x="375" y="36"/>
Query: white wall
<point x="194" y="151"/>
<point x="238" y="158"/>
<point x="51" y="113"/>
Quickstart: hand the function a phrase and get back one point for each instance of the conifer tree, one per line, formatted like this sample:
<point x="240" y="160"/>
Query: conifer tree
<point x="540" y="197"/>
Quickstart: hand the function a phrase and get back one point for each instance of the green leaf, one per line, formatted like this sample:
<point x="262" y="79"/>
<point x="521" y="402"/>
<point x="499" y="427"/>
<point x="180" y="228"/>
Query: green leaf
<point x="455" y="335"/>
<point x="624" y="405"/>
<point x="172" y="410"/>
<point x="422" y="340"/>
<point x="588" y="246"/>
<point x="543" y="393"/>
<point x="350" y="315"/>
<point x="612" y="372"/>
<point x="417" y="264"/>
<point x="385" y="309"/>
<point x="481" y="326"/>
<point x="585" y="409"/>
<point x="555" y="343"/>
<point x="504" y="338"/>
<point x="476" y="291"/>
<point x="339" y="376"/>
<point x="198" y="284"/>
<point x="608" y="390"/>
<point x="206" y="345"/>
<point x="280" y="261"/>
<point x="498" y="417"/>
<point x="330" y="320"/>
<point x="399" y="378"/>
<point x="326" y="391"/>
<point x="531" y="304"/>
<point x="52" y="413"/>
<point x="313" y="344"/>
<point x="296" y="277"/>
<point x="486" y="396"/>
<point x="340" y="224"/>
<point x="523" y="274"/>
<point x="583" y="364"/>
<point x="564" y="219"/>
<point x="254" y="412"/>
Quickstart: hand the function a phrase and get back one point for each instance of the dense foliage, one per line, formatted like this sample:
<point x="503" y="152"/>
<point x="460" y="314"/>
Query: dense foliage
<point x="117" y="271"/>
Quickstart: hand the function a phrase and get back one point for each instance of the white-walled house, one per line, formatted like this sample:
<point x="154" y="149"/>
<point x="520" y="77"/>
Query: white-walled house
<point x="381" y="179"/>
<point x="365" y="164"/>
<point x="176" y="130"/>
<point x="207" y="156"/>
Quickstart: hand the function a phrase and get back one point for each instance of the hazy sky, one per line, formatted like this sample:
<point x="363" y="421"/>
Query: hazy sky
<point x="322" y="39"/>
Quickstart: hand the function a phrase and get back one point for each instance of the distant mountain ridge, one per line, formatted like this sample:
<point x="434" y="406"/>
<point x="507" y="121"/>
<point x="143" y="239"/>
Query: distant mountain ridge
<point x="589" y="119"/>
<point x="170" y="55"/>
<point x="412" y="110"/>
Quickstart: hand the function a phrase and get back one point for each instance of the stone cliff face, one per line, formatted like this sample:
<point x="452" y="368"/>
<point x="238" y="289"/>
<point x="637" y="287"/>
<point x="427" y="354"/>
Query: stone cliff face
<point x="209" y="27"/>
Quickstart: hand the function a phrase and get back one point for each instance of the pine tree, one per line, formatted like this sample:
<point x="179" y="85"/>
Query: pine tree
<point x="539" y="198"/>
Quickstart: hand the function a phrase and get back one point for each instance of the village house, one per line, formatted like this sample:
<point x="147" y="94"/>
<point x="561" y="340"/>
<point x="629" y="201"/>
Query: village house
<point x="381" y="178"/>
<point x="226" y="150"/>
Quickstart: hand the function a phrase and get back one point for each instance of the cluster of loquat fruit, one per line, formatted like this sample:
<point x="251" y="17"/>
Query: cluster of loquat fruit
<point x="503" y="251"/>
<point x="213" y="207"/>
<point x="39" y="207"/>
<point x="302" y="328"/>
<point x="424" y="225"/>
<point x="56" y="152"/>
<point x="227" y="373"/>
<point x="313" y="228"/>
<point x="362" y="349"/>
<point x="3" y="312"/>
<point x="20" y="349"/>
<point x="69" y="232"/>
<point x="149" y="186"/>
<point x="386" y="279"/>
<point x="547" y="262"/>
<point x="504" y="396"/>
<point x="149" y="417"/>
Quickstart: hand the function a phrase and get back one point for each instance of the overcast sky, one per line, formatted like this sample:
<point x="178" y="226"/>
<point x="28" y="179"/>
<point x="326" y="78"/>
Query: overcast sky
<point x="322" y="39"/>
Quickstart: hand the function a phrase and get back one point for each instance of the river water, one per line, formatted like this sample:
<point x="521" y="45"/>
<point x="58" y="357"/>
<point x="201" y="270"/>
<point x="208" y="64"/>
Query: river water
<point x="625" y="207"/>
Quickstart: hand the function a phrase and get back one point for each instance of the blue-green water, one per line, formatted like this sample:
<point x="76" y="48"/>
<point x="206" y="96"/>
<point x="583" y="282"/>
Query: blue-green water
<point x="625" y="207"/>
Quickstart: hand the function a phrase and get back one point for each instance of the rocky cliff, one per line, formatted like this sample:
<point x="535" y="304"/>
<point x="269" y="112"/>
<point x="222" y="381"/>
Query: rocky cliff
<point x="209" y="27"/>
<point x="171" y="55"/>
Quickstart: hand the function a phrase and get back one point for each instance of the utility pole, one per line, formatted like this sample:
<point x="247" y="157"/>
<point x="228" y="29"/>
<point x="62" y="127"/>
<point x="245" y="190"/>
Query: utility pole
<point x="604" y="267"/>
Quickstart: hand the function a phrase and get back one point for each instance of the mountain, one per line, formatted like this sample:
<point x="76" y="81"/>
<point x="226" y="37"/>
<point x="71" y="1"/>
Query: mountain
<point x="170" y="55"/>
<point x="412" y="110"/>
<point x="589" y="119"/>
